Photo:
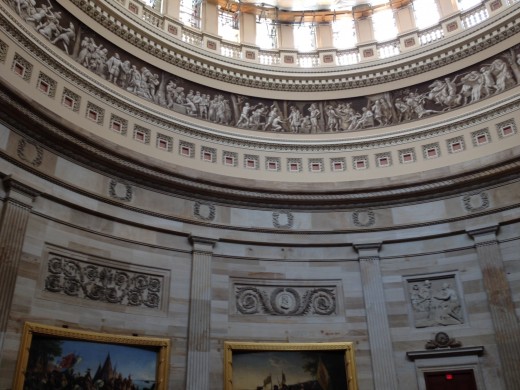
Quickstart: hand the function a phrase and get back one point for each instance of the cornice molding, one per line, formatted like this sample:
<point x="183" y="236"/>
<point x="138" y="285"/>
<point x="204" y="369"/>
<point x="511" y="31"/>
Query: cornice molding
<point x="28" y="121"/>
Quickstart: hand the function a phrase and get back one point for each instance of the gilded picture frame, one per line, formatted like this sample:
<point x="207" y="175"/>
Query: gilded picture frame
<point x="57" y="356"/>
<point x="289" y="366"/>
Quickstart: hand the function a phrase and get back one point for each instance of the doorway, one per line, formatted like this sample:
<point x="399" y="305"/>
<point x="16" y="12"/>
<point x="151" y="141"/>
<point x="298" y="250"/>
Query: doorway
<point x="450" y="380"/>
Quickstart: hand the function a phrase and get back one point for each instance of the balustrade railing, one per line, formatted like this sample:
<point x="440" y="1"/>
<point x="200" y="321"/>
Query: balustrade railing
<point x="431" y="35"/>
<point x="474" y="16"/>
<point x="468" y="19"/>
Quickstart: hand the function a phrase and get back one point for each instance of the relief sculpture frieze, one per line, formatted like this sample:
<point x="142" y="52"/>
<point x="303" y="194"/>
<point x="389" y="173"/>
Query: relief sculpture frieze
<point x="435" y="302"/>
<point x="96" y="282"/>
<point x="285" y="301"/>
<point x="54" y="24"/>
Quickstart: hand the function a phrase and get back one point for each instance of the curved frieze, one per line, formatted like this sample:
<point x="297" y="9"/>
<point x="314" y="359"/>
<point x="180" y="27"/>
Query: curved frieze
<point x="285" y="301"/>
<point x="386" y="109"/>
<point x="258" y="76"/>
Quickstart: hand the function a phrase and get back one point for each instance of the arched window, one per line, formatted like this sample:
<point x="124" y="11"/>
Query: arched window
<point x="266" y="33"/>
<point x="467" y="4"/>
<point x="228" y="25"/>
<point x="304" y="36"/>
<point x="426" y="13"/>
<point x="344" y="33"/>
<point x="384" y="25"/>
<point x="189" y="12"/>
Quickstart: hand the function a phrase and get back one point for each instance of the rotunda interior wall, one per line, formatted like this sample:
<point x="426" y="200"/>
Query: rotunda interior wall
<point x="367" y="146"/>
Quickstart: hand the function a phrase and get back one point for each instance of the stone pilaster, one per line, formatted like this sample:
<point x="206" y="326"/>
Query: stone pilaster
<point x="197" y="372"/>
<point x="379" y="336"/>
<point x="15" y="214"/>
<point x="501" y="306"/>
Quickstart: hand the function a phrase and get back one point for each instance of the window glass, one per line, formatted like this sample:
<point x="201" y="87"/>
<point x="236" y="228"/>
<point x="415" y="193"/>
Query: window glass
<point x="305" y="37"/>
<point x="466" y="4"/>
<point x="228" y="25"/>
<point x="344" y="33"/>
<point x="266" y="33"/>
<point x="189" y="12"/>
<point x="426" y="13"/>
<point x="384" y="25"/>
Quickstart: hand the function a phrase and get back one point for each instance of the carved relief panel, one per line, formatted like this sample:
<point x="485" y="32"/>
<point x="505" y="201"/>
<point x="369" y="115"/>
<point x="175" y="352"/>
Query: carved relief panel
<point x="435" y="301"/>
<point x="103" y="281"/>
<point x="286" y="298"/>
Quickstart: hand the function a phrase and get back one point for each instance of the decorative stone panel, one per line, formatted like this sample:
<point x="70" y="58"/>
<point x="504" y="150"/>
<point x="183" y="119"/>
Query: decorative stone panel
<point x="294" y="165"/>
<point x="22" y="67"/>
<point x="164" y="142"/>
<point x="360" y="162"/>
<point x="476" y="201"/>
<point x="30" y="152"/>
<point x="230" y="158"/>
<point x="272" y="164"/>
<point x="4" y="47"/>
<point x="383" y="160"/>
<point x="208" y="154"/>
<point x="95" y="113"/>
<point x="338" y="164"/>
<point x="285" y="300"/>
<point x="118" y="124"/>
<point x="187" y="149"/>
<point x="204" y="211"/>
<point x="434" y="300"/>
<point x="142" y="134"/>
<point x="481" y="137"/>
<point x="120" y="191"/>
<point x="363" y="218"/>
<point x="456" y="144"/>
<point x="315" y="165"/>
<point x="251" y="161"/>
<point x="70" y="100"/>
<point x="95" y="281"/>
<point x="283" y="219"/>
<point x="407" y="156"/>
<point x="431" y="151"/>
<point x="46" y="85"/>
<point x="506" y="128"/>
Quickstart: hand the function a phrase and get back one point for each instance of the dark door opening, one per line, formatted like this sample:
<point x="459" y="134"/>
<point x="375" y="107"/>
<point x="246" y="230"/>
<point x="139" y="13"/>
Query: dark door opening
<point x="450" y="380"/>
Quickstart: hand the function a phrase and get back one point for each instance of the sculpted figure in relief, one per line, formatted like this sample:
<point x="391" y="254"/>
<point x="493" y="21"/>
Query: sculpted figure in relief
<point x="435" y="305"/>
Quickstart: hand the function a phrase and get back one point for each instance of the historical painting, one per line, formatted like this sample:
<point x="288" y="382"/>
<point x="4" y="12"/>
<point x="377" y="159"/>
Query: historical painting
<point x="289" y="366"/>
<point x="61" y="358"/>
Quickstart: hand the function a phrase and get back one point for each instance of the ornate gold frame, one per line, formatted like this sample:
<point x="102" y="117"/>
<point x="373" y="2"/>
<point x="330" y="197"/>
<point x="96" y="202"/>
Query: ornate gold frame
<point x="30" y="329"/>
<point x="348" y="347"/>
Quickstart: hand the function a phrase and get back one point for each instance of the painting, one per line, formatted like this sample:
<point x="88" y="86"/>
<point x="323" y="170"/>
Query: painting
<point x="289" y="366"/>
<point x="61" y="358"/>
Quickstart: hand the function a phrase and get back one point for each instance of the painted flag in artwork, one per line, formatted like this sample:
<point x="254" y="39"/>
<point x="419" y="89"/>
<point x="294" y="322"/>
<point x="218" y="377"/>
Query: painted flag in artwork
<point x="323" y="375"/>
<point x="267" y="380"/>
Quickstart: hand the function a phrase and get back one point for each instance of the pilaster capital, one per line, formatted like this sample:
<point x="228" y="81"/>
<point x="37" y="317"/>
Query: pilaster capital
<point x="19" y="192"/>
<point x="368" y="250"/>
<point x="202" y="244"/>
<point x="484" y="233"/>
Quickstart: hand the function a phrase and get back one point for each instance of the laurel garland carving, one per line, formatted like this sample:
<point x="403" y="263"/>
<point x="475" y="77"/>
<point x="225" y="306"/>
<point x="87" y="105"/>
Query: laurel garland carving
<point x="102" y="283"/>
<point x="285" y="301"/>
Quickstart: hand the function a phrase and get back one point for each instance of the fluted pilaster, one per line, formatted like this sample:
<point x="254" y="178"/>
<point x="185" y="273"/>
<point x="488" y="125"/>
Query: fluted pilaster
<point x="501" y="306"/>
<point x="197" y="376"/>
<point x="15" y="214"/>
<point x="379" y="337"/>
